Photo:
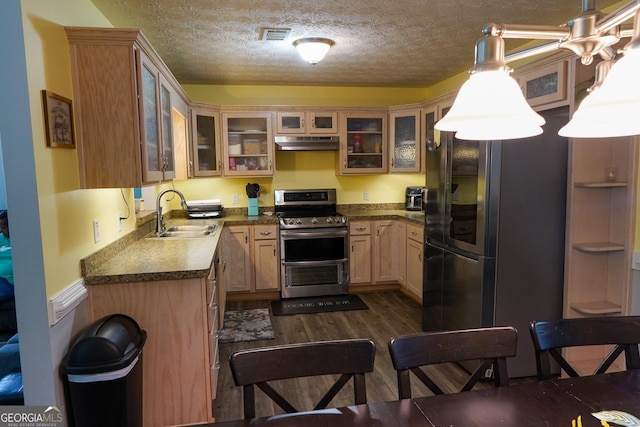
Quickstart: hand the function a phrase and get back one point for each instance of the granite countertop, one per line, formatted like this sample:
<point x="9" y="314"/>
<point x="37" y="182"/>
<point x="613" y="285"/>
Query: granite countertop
<point x="149" y="258"/>
<point x="139" y="258"/>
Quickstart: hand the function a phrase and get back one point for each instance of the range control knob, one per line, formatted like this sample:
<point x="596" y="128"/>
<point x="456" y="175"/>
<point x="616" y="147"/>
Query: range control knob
<point x="329" y="220"/>
<point x="314" y="220"/>
<point x="298" y="221"/>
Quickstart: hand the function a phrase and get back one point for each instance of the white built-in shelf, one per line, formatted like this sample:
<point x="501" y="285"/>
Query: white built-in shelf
<point x="597" y="308"/>
<point x="599" y="247"/>
<point x="603" y="184"/>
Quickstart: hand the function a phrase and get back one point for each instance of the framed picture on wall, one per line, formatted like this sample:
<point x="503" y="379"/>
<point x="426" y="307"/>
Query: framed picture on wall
<point x="58" y="120"/>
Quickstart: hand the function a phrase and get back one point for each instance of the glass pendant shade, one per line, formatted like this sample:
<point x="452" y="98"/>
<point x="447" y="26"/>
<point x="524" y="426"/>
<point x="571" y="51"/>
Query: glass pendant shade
<point x="313" y="50"/>
<point x="491" y="106"/>
<point x="613" y="109"/>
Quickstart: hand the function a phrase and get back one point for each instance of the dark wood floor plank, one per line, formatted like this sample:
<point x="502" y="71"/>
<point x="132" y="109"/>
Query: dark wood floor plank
<point x="390" y="313"/>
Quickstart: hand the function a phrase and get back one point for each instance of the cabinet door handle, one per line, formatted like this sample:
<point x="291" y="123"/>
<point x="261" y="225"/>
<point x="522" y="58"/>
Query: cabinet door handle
<point x="361" y="228"/>
<point x="246" y="238"/>
<point x="420" y="256"/>
<point x="352" y="247"/>
<point x="414" y="233"/>
<point x="265" y="233"/>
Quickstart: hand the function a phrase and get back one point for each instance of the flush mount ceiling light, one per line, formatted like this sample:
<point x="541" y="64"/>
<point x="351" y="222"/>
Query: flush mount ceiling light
<point x="490" y="104"/>
<point x="313" y="49"/>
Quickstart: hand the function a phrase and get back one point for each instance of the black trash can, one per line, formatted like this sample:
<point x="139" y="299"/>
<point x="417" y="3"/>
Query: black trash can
<point x="103" y="371"/>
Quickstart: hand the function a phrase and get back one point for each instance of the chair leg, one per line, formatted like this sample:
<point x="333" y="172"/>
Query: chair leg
<point x="248" y="394"/>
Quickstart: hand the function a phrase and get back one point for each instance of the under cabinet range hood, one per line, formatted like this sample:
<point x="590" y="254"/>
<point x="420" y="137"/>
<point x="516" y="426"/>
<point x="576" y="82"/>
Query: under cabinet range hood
<point x="307" y="143"/>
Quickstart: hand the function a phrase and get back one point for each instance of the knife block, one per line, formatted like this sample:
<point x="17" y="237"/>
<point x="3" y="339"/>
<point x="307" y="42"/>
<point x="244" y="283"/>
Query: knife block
<point x="253" y="206"/>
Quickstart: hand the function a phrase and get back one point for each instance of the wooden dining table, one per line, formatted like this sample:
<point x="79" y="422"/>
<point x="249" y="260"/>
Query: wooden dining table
<point x="569" y="402"/>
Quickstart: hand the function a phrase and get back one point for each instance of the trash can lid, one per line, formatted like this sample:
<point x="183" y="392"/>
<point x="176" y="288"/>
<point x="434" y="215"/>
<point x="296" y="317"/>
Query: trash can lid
<point x="108" y="344"/>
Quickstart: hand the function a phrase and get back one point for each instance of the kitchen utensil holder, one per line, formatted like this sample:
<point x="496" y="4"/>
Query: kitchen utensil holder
<point x="253" y="206"/>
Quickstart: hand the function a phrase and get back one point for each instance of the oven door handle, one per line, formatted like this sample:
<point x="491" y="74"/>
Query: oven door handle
<point x="307" y="263"/>
<point x="315" y="233"/>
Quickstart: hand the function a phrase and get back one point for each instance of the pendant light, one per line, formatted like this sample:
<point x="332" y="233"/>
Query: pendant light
<point x="613" y="107"/>
<point x="490" y="105"/>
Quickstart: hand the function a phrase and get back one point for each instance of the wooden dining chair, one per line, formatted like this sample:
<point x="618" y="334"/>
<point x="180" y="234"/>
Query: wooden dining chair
<point x="550" y="337"/>
<point x="351" y="358"/>
<point x="490" y="346"/>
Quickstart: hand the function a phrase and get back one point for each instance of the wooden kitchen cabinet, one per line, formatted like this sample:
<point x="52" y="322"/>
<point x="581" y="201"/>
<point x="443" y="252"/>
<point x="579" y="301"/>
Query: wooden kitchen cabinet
<point x="180" y="357"/>
<point x="401" y="253"/>
<point x="206" y="150"/>
<point x="360" y="253"/>
<point x="414" y="260"/>
<point x="384" y="253"/>
<point x="266" y="258"/>
<point x="251" y="258"/>
<point x="123" y="96"/>
<point x="248" y="144"/>
<point x="236" y="258"/>
<point x="405" y="148"/>
<point x="363" y="143"/>
<point x="600" y="230"/>
<point x="544" y="82"/>
<point x="429" y="117"/>
<point x="306" y="122"/>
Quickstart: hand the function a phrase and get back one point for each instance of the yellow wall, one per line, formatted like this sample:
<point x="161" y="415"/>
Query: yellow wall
<point x="66" y="213"/>
<point x="304" y="95"/>
<point x="303" y="170"/>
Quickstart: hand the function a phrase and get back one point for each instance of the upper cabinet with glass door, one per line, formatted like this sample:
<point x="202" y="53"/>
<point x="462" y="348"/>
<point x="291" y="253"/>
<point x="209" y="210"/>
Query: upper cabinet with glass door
<point x="363" y="143"/>
<point x="309" y="122"/>
<point x="123" y="100"/>
<point x="205" y="141"/>
<point x="428" y="123"/>
<point x="248" y="144"/>
<point x="404" y="147"/>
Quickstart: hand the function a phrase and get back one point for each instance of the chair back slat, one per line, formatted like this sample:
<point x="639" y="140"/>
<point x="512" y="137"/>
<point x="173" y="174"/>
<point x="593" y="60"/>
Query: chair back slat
<point x="350" y="358"/>
<point x="489" y="345"/>
<point x="550" y="337"/>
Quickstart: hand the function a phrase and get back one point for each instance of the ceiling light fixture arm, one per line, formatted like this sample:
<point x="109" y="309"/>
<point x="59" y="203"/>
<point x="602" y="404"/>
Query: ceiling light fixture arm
<point x="587" y="35"/>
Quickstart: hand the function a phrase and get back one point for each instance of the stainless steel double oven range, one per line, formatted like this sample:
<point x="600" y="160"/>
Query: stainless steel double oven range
<point x="313" y="243"/>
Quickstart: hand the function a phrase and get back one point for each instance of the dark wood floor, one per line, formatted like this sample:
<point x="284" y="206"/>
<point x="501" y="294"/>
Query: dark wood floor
<point x="390" y="313"/>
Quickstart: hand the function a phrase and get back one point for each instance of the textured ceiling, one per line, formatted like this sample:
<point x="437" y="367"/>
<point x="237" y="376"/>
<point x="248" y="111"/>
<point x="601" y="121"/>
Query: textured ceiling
<point x="392" y="43"/>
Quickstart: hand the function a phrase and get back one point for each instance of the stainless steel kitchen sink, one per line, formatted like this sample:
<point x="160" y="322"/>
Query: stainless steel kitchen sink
<point x="210" y="228"/>
<point x="187" y="231"/>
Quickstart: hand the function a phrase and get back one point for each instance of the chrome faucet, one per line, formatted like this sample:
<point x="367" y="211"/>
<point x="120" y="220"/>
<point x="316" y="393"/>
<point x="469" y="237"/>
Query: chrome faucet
<point x="159" y="217"/>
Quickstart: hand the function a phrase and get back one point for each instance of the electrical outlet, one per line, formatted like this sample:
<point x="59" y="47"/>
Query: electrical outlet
<point x="366" y="195"/>
<point x="120" y="219"/>
<point x="236" y="199"/>
<point x="96" y="231"/>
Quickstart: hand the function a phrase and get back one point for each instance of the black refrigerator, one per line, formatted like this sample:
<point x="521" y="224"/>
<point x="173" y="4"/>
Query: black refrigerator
<point x="495" y="232"/>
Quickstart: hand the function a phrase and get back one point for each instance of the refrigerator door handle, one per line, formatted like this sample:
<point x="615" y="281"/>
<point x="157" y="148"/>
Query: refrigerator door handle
<point x="435" y="243"/>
